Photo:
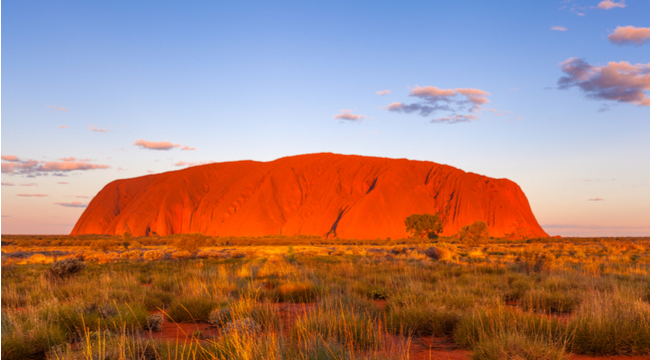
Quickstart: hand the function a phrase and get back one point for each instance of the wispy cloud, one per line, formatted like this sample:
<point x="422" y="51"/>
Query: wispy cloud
<point x="92" y="127"/>
<point x="63" y="127"/>
<point x="383" y="92"/>
<point x="434" y="99"/>
<point x="6" y="216"/>
<point x="160" y="145"/>
<point x="63" y="183"/>
<point x="347" y="115"/>
<point x="69" y="159"/>
<point x="7" y="184"/>
<point x="74" y="204"/>
<point x="35" y="168"/>
<point x="454" y="119"/>
<point x="617" y="81"/>
<point x="55" y="108"/>
<point x="596" y="199"/>
<point x="12" y="158"/>
<point x="82" y="197"/>
<point x="30" y="184"/>
<point x="593" y="227"/>
<point x="609" y="4"/>
<point x="185" y="163"/>
<point x="630" y="35"/>
<point x="32" y="195"/>
<point x="559" y="28"/>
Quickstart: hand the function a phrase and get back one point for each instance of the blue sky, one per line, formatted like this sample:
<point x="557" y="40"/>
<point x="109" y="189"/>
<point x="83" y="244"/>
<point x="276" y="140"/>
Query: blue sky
<point x="260" y="80"/>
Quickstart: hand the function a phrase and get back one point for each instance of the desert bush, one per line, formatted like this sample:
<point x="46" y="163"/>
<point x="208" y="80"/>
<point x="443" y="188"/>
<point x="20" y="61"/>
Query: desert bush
<point x="355" y="331"/>
<point x="154" y="323"/>
<point x="66" y="268"/>
<point x="550" y="301"/>
<point x="132" y="254"/>
<point x="515" y="346"/>
<point x="220" y="317"/>
<point x="75" y="319"/>
<point x="422" y="320"/>
<point x="245" y="326"/>
<point x="442" y="252"/>
<point x="609" y="324"/>
<point x="182" y="254"/>
<point x="297" y="292"/>
<point x="18" y="344"/>
<point x="474" y="234"/>
<point x="157" y="299"/>
<point x="153" y="255"/>
<point x="190" y="242"/>
<point x="191" y="309"/>
<point x="485" y="324"/>
<point x="208" y="254"/>
<point x="424" y="225"/>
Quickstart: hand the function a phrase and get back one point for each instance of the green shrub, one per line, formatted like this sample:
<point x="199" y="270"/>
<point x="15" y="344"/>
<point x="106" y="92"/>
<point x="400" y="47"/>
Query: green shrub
<point x="422" y="321"/>
<point x="157" y="299"/>
<point x="354" y="331"/>
<point x="73" y="319"/>
<point x="485" y="324"/>
<point x="611" y="325"/>
<point x="514" y="346"/>
<point x="191" y="309"/>
<point x="550" y="301"/>
<point x="297" y="292"/>
<point x="66" y="268"/>
<point x="33" y="344"/>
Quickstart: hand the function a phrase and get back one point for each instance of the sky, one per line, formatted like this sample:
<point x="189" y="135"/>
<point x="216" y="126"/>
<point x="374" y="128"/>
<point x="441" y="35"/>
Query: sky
<point x="554" y="95"/>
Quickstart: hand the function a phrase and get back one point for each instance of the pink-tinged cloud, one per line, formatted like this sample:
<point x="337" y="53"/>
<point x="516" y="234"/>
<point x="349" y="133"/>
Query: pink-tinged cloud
<point x="70" y="166"/>
<point x="155" y="145"/>
<point x="559" y="28"/>
<point x="630" y="35"/>
<point x="383" y="92"/>
<point x="347" y="115"/>
<point x="74" y="204"/>
<point x="35" y="168"/>
<point x="434" y="94"/>
<point x="596" y="199"/>
<point x="12" y="158"/>
<point x="62" y="183"/>
<point x="454" y="119"/>
<point x="30" y="184"/>
<point x="32" y="195"/>
<point x="92" y="127"/>
<point x="54" y="108"/>
<point x="63" y="127"/>
<point x="69" y="159"/>
<point x="435" y="99"/>
<point x="184" y="163"/>
<point x="188" y="148"/>
<point x="81" y="197"/>
<point x="21" y="167"/>
<point x="617" y="81"/>
<point x="7" y="184"/>
<point x="609" y="4"/>
<point x="497" y="112"/>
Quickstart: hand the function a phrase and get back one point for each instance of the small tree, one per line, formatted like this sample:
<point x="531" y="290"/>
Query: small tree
<point x="474" y="234"/>
<point x="424" y="225"/>
<point x="190" y="242"/>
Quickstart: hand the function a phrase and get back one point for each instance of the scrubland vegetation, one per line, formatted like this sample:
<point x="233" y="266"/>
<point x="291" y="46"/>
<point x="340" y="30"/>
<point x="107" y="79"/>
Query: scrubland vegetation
<point x="309" y="298"/>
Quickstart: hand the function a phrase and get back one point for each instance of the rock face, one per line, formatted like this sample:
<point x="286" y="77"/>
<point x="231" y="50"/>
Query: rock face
<point x="332" y="195"/>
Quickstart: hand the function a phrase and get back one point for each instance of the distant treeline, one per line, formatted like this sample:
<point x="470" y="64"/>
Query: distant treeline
<point x="108" y="241"/>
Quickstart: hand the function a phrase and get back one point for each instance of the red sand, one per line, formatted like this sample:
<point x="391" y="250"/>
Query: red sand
<point x="342" y="196"/>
